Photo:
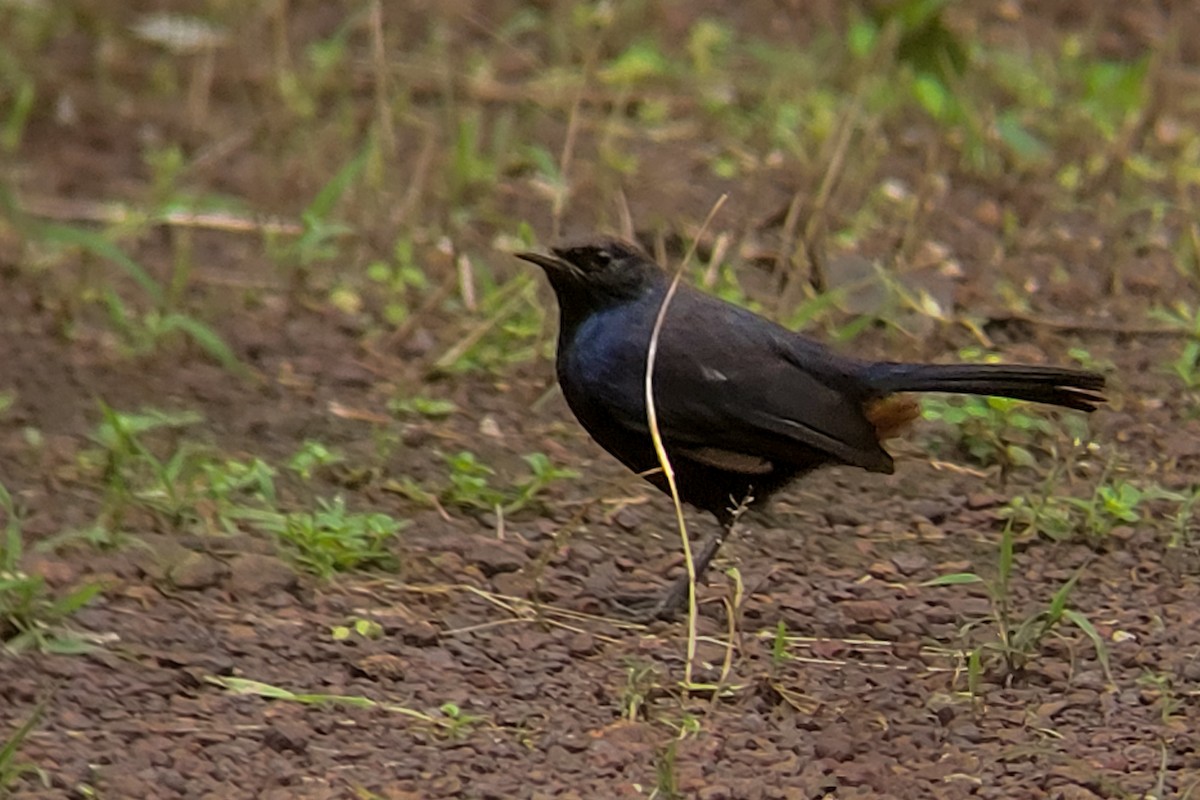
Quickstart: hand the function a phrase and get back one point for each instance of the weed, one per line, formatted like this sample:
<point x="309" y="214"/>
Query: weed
<point x="318" y="241"/>
<point x="1089" y="361"/>
<point x="331" y="539"/>
<point x="449" y="718"/>
<point x="666" y="775"/>
<point x="1159" y="688"/>
<point x="641" y="684"/>
<point x="470" y="484"/>
<point x="458" y="723"/>
<point x="134" y="476"/>
<point x="779" y="646"/>
<point x="1182" y="520"/>
<point x="365" y="628"/>
<point x="12" y="127"/>
<point x="1186" y="319"/>
<point x="191" y="485"/>
<point x="470" y="167"/>
<point x="398" y="278"/>
<point x="688" y="725"/>
<point x="145" y="332"/>
<point x="188" y="486"/>
<point x="1113" y="502"/>
<point x="312" y="456"/>
<point x="141" y="330"/>
<point x="542" y="474"/>
<point x="27" y="29"/>
<point x="1016" y="641"/>
<point x="302" y="89"/>
<point x="30" y="618"/>
<point x="1113" y="92"/>
<point x="229" y="482"/>
<point x="428" y="407"/>
<point x="996" y="431"/>
<point x="991" y="430"/>
<point x="12" y="770"/>
<point x="508" y="333"/>
<point x="1111" y="505"/>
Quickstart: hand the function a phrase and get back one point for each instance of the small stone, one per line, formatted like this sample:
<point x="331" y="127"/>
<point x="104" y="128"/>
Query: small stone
<point x="627" y="519"/>
<point x="981" y="500"/>
<point x="844" y="515"/>
<point x="581" y="644"/>
<point x="933" y="510"/>
<point x="382" y="666"/>
<point x="158" y="555"/>
<point x="910" y="563"/>
<point x="514" y="584"/>
<point x="256" y="575"/>
<point x="862" y="611"/>
<point x="286" y="736"/>
<point x="196" y="571"/>
<point x="493" y="557"/>
<point x="54" y="571"/>
<point x="833" y="746"/>
<point x="883" y="571"/>
<point x="421" y="634"/>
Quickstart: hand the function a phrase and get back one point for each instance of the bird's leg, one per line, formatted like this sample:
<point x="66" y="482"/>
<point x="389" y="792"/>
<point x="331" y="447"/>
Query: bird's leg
<point x="677" y="595"/>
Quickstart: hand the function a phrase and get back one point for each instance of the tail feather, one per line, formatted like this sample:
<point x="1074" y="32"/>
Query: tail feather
<point x="1057" y="386"/>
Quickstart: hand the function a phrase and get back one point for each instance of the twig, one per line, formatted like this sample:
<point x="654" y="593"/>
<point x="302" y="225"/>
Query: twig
<point x="661" y="451"/>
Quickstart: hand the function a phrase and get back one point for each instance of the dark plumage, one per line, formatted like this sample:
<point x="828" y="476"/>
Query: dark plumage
<point x="744" y="405"/>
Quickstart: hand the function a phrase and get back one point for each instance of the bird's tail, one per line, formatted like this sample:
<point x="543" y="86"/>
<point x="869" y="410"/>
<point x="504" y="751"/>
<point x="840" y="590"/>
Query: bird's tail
<point x="1058" y="386"/>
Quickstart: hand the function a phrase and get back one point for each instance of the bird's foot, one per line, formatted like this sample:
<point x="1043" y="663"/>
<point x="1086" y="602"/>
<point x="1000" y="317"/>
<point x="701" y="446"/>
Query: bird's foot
<point x="647" y="608"/>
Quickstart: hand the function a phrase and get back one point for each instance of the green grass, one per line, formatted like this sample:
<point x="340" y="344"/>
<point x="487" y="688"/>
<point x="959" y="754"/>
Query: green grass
<point x="450" y="719"/>
<point x="146" y="468"/>
<point x="1012" y="638"/>
<point x="1115" y="501"/>
<point x="331" y="539"/>
<point x="11" y="769"/>
<point x="470" y="484"/>
<point x="32" y="616"/>
<point x="997" y="431"/>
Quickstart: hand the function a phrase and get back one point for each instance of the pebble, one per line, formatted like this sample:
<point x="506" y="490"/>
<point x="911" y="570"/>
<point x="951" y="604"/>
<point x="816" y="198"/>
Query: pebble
<point x="257" y="575"/>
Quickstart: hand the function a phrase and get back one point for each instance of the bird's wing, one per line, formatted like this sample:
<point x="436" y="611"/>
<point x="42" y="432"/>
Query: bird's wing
<point x="731" y="389"/>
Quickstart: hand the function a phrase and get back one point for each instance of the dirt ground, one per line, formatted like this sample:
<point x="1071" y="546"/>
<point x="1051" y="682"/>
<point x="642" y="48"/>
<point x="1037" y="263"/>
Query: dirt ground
<point x="561" y="697"/>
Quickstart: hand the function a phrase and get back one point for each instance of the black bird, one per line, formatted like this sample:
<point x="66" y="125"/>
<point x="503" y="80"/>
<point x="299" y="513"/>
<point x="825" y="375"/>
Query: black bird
<point x="744" y="405"/>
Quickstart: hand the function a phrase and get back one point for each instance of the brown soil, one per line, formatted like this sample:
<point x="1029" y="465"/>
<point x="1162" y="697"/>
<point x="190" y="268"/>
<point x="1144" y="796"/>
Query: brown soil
<point x="562" y="698"/>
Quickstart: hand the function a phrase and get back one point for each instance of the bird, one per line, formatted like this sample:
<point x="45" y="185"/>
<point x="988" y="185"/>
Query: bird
<point x="743" y="405"/>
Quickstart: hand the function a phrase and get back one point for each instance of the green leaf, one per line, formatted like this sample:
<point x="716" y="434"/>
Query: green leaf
<point x="640" y="62"/>
<point x="1058" y="603"/>
<point x="76" y="599"/>
<point x="9" y="751"/>
<point x="208" y="339"/>
<point x="97" y="245"/>
<point x="861" y="38"/>
<point x="1085" y="625"/>
<point x="975" y="671"/>
<point x="331" y="192"/>
<point x="1006" y="555"/>
<point x="1017" y="137"/>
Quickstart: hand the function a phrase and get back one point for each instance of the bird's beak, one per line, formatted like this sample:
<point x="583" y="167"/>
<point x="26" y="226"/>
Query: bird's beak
<point x="553" y="265"/>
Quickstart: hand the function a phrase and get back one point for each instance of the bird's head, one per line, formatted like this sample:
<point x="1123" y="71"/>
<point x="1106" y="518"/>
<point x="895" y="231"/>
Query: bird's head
<point x="595" y="272"/>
